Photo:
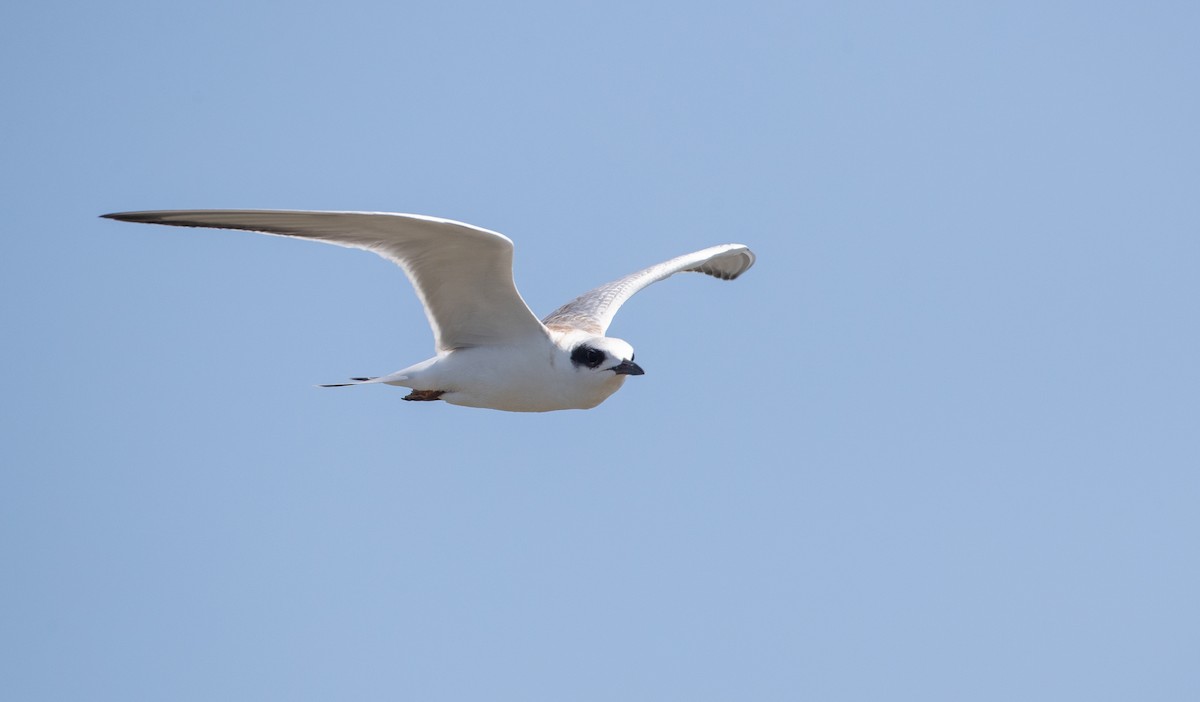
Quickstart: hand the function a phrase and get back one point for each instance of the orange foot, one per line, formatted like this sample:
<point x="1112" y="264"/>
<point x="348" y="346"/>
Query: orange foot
<point x="424" y="395"/>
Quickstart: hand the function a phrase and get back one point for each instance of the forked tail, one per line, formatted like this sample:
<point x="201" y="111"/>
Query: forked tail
<point x="355" y="381"/>
<point x="393" y="379"/>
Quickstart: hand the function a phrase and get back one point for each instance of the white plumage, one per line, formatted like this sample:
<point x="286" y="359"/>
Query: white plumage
<point x="491" y="350"/>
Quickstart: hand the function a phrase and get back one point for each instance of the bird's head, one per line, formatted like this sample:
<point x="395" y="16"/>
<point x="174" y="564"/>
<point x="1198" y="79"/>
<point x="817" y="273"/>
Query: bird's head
<point x="595" y="366"/>
<point x="604" y="356"/>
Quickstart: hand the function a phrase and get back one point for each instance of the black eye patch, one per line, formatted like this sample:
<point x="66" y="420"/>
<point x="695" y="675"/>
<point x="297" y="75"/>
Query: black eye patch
<point x="587" y="356"/>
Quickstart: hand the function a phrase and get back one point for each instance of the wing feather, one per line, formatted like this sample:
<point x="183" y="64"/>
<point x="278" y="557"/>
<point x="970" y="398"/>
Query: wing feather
<point x="594" y="310"/>
<point x="461" y="273"/>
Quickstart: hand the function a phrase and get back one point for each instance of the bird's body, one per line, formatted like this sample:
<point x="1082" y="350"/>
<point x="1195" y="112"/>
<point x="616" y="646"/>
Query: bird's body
<point x="491" y="351"/>
<point x="534" y="376"/>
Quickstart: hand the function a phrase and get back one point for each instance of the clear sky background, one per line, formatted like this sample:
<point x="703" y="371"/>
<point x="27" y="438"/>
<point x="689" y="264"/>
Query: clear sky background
<point x="939" y="444"/>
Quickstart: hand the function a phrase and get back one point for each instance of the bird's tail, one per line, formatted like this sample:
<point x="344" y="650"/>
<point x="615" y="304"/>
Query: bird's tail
<point x="392" y="379"/>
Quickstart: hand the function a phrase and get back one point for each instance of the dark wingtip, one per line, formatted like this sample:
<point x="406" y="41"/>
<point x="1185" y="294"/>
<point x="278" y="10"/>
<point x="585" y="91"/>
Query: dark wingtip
<point x="130" y="216"/>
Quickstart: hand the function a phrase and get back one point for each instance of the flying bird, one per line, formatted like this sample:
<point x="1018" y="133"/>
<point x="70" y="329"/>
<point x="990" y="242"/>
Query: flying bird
<point x="491" y="350"/>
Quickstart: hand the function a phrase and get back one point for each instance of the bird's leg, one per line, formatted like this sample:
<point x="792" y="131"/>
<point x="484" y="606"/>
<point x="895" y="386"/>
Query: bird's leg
<point x="424" y="395"/>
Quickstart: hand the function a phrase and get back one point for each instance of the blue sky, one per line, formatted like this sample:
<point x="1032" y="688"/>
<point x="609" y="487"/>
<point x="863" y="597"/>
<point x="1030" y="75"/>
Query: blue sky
<point x="939" y="444"/>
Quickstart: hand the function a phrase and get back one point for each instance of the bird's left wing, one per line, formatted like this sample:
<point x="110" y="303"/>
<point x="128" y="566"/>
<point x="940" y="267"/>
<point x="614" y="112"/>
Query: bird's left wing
<point x="594" y="310"/>
<point x="462" y="273"/>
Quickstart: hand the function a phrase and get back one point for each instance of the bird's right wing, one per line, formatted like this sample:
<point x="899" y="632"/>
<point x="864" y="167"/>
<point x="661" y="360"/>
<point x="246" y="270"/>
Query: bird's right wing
<point x="594" y="310"/>
<point x="462" y="273"/>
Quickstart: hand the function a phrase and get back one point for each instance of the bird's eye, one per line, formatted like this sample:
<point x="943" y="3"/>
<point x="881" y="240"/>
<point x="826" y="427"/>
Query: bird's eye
<point x="587" y="356"/>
